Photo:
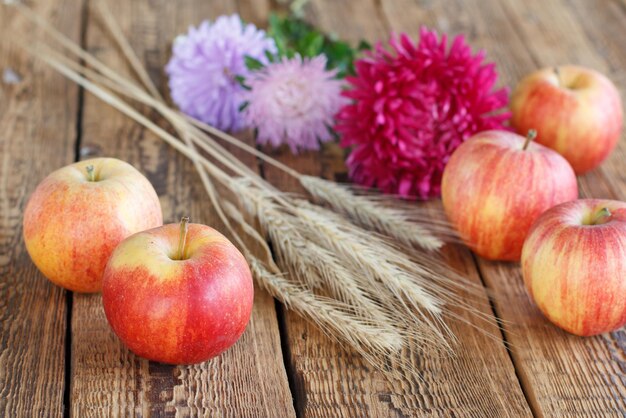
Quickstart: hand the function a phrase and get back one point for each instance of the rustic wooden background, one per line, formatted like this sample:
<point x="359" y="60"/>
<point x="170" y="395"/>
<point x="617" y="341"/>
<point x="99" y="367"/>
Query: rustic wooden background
<point x="57" y="354"/>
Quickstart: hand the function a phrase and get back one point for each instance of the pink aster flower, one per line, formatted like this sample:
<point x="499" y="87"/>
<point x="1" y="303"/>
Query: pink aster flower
<point x="204" y="65"/>
<point x="293" y="102"/>
<point x="412" y="107"/>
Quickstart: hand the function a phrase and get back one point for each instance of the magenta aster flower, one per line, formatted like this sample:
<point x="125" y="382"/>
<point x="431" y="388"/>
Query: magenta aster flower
<point x="293" y="102"/>
<point x="204" y="65"/>
<point x="412" y="107"/>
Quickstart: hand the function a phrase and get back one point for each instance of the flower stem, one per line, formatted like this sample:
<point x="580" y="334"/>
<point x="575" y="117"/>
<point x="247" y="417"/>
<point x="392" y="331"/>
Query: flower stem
<point x="91" y="176"/>
<point x="182" y="239"/>
<point x="530" y="136"/>
<point x="601" y="216"/>
<point x="557" y="72"/>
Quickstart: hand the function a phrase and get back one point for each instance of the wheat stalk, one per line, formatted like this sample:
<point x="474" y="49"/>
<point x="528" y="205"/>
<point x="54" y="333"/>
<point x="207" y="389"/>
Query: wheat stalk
<point x="328" y="315"/>
<point x="316" y="267"/>
<point x="370" y="214"/>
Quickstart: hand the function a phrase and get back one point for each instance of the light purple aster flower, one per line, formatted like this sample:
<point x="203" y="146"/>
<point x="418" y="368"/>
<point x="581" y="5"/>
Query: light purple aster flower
<point x="204" y="65"/>
<point x="293" y="102"/>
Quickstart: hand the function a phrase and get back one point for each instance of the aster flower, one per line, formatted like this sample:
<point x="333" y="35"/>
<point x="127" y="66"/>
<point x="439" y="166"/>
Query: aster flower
<point x="293" y="102"/>
<point x="204" y="65"/>
<point x="412" y="107"/>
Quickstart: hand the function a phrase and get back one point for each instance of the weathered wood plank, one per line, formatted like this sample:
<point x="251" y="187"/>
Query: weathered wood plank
<point x="108" y="380"/>
<point x="562" y="375"/>
<point x="37" y="120"/>
<point x="330" y="381"/>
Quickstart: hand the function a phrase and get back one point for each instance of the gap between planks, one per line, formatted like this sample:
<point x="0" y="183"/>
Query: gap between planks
<point x="69" y="295"/>
<point x="298" y="403"/>
<point x="529" y="395"/>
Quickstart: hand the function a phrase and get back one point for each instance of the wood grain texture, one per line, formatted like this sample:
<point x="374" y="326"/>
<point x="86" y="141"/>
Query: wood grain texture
<point x="107" y="380"/>
<point x="330" y="381"/>
<point x="37" y="118"/>
<point x="548" y="372"/>
<point x="562" y="375"/>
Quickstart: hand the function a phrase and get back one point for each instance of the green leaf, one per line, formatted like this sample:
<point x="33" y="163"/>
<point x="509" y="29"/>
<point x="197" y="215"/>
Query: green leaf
<point x="295" y="36"/>
<point x="275" y="25"/>
<point x="242" y="81"/>
<point x="270" y="57"/>
<point x="311" y="44"/>
<point x="243" y="106"/>
<point x="364" y="46"/>
<point x="252" y="63"/>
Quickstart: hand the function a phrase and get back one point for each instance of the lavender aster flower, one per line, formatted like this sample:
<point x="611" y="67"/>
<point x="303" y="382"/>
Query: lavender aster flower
<point x="204" y="65"/>
<point x="293" y="102"/>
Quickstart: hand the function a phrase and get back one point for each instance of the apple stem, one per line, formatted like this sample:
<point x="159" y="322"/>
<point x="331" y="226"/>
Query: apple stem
<point x="600" y="216"/>
<point x="530" y="136"/>
<point x="557" y="72"/>
<point x="182" y="240"/>
<point x="91" y="176"/>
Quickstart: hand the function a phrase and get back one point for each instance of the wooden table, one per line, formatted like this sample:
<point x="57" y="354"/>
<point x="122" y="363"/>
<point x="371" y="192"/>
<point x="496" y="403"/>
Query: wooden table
<point x="59" y="357"/>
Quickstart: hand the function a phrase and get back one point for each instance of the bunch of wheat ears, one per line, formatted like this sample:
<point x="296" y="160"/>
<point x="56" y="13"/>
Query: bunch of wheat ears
<point x="360" y="269"/>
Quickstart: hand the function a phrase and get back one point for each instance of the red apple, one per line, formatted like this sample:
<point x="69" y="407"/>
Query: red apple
<point x="78" y="214"/>
<point x="178" y="297"/>
<point x="495" y="186"/>
<point x="577" y="112"/>
<point x="574" y="265"/>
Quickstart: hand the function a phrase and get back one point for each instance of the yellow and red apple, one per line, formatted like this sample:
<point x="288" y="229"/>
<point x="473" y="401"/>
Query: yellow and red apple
<point x="496" y="184"/>
<point x="78" y="214"/>
<point x="576" y="111"/>
<point x="574" y="265"/>
<point x="178" y="296"/>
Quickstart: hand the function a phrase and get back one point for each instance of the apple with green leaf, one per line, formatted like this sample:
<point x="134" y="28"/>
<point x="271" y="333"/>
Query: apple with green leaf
<point x="574" y="265"/>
